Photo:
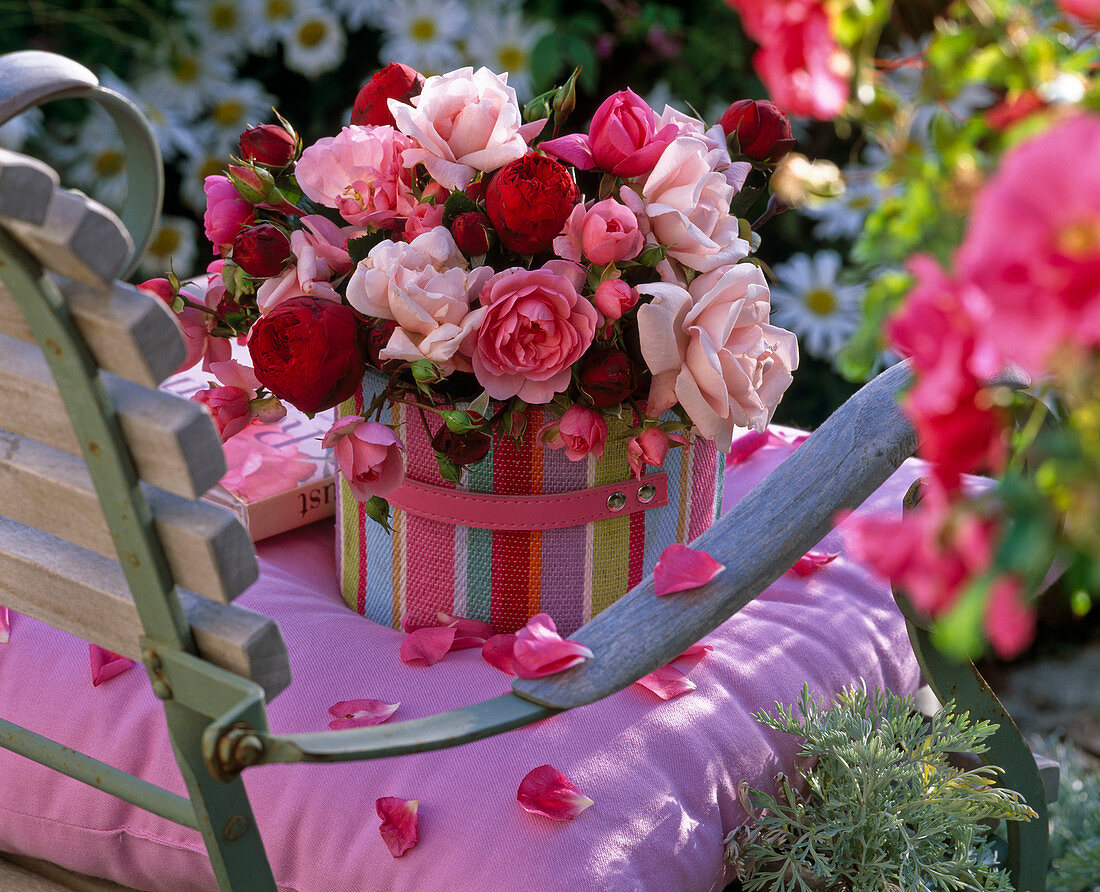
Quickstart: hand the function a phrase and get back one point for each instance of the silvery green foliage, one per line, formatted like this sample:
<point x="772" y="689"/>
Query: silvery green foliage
<point x="1074" y="822"/>
<point x="879" y="806"/>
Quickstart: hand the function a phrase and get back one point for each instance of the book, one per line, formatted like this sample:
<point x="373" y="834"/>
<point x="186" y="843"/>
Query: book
<point x="278" y="477"/>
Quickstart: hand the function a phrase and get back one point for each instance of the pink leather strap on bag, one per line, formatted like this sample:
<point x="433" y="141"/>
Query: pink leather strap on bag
<point x="489" y="511"/>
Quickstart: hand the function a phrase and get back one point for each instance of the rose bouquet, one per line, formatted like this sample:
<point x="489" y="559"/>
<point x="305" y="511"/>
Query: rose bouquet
<point x="486" y="306"/>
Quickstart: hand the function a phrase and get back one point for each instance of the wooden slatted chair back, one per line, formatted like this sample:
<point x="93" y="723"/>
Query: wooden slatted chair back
<point x="59" y="556"/>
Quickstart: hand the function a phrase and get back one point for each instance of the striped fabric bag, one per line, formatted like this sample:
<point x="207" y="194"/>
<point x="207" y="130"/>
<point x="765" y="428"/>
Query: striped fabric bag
<point x="527" y="530"/>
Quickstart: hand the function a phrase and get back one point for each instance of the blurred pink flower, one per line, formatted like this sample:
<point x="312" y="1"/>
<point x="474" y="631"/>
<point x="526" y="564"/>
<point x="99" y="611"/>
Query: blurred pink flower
<point x="359" y="172"/>
<point x="258" y="469"/>
<point x="1087" y="11"/>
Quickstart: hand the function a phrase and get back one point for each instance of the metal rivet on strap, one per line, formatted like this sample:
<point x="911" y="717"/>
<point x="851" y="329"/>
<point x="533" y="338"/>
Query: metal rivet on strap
<point x="616" y="501"/>
<point x="646" y="492"/>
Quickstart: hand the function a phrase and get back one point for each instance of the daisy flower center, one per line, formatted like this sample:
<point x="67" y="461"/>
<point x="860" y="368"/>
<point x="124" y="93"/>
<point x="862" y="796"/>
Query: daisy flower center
<point x="223" y="16"/>
<point x="422" y="30"/>
<point x="511" y="58"/>
<point x="166" y="242"/>
<point x="211" y="167"/>
<point x="279" y="9"/>
<point x="821" y="302"/>
<point x="186" y="69"/>
<point x="311" y="33"/>
<point x="228" y="111"/>
<point x="1080" y="239"/>
<point x="109" y="162"/>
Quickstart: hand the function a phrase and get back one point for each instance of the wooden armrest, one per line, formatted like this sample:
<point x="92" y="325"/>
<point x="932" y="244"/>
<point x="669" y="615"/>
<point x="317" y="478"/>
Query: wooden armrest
<point x="839" y="466"/>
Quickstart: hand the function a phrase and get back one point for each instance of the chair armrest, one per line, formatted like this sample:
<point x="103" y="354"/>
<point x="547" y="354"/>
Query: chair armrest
<point x="838" y="467"/>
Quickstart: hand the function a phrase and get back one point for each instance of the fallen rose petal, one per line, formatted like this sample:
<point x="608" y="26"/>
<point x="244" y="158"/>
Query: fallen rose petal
<point x="546" y="791"/>
<point x="745" y="446"/>
<point x="106" y="664"/>
<point x="681" y="568"/>
<point x="812" y="561"/>
<point x="667" y="682"/>
<point x="359" y="713"/>
<point x="398" y="826"/>
<point x="691" y="657"/>
<point x="539" y="649"/>
<point x="429" y="644"/>
<point x="468" y="632"/>
<point x="497" y="652"/>
<point x="5" y="625"/>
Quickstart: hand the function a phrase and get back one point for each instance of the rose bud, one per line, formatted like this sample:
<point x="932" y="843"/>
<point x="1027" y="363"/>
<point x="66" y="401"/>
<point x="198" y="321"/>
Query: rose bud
<point x="268" y="144"/>
<point x="614" y="297"/>
<point x="462" y="449"/>
<point x="648" y="448"/>
<point x="580" y="432"/>
<point x="395" y="81"/>
<point x="529" y="200"/>
<point x="261" y="250"/>
<point x="368" y="454"/>
<point x="304" y="352"/>
<point x="228" y="406"/>
<point x="476" y="191"/>
<point x="473" y="232"/>
<point x="607" y="376"/>
<point x="763" y="132"/>
<point x="226" y="212"/>
<point x="377" y="338"/>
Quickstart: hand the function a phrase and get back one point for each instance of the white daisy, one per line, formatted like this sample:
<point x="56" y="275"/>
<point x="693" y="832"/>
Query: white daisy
<point x="96" y="159"/>
<point x="275" y="21"/>
<point x="194" y="173"/>
<point x="844" y="216"/>
<point x="190" y="79"/>
<point x="174" y="247"/>
<point x="808" y="300"/>
<point x="16" y="131"/>
<point x="423" y="34"/>
<point x="222" y="122"/>
<point x="171" y="126"/>
<point x="357" y="14"/>
<point x="502" y="41"/>
<point x="314" y="43"/>
<point x="223" y="27"/>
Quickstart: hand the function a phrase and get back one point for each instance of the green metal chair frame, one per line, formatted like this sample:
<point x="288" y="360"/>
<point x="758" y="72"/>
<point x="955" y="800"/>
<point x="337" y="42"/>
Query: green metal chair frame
<point x="217" y="720"/>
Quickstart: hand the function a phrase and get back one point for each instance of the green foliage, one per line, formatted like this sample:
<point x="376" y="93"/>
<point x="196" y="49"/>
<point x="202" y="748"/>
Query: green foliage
<point x="880" y="806"/>
<point x="1074" y="822"/>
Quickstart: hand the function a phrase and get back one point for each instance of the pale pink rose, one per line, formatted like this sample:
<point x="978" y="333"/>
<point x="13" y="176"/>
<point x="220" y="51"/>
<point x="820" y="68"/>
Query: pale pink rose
<point x="1032" y="247"/>
<point x="610" y="233"/>
<point x="580" y="432"/>
<point x="226" y="212"/>
<point x="228" y="406"/>
<point x="426" y="287"/>
<point x="710" y="348"/>
<point x="464" y="121"/>
<point x="368" y="454"/>
<point x="623" y="138"/>
<point x="424" y="218"/>
<point x="320" y="252"/>
<point x="614" y="297"/>
<point x="687" y="205"/>
<point x="714" y="138"/>
<point x="568" y="245"/>
<point x="535" y="327"/>
<point x="360" y="173"/>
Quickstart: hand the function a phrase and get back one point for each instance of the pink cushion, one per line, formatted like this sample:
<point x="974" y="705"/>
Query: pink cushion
<point x="663" y="775"/>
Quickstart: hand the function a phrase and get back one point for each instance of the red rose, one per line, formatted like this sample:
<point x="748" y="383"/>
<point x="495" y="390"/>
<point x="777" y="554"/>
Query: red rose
<point x="607" y="376"/>
<point x="268" y="144"/>
<point x="472" y="232"/>
<point x="261" y="250"/>
<point x="395" y="81"/>
<point x="529" y="200"/>
<point x="304" y="351"/>
<point x="763" y="131"/>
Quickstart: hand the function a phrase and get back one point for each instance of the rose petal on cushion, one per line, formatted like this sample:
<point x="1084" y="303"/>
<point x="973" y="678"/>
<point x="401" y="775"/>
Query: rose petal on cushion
<point x="745" y="446"/>
<point x="681" y="568"/>
<point x="106" y="664"/>
<point x="429" y="645"/>
<point x="812" y="561"/>
<point x="497" y="652"/>
<point x="468" y="632"/>
<point x="359" y="713"/>
<point x="539" y="649"/>
<point x="691" y="657"/>
<point x="398" y="826"/>
<point x="667" y="682"/>
<point x="5" y="625"/>
<point x="546" y="791"/>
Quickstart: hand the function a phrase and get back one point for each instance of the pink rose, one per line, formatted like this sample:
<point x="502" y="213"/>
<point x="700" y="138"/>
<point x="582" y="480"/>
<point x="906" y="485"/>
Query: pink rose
<point x="535" y="327"/>
<point x="426" y="287"/>
<point x="424" y="218"/>
<point x="685" y="204"/>
<point x="580" y="431"/>
<point x="193" y="323"/>
<point x="359" y="172"/>
<point x="226" y="212"/>
<point x="464" y="121"/>
<point x="711" y="349"/>
<point x="605" y="233"/>
<point x="614" y="297"/>
<point x="623" y="138"/>
<point x="320" y="252"/>
<point x="228" y="406"/>
<point x="648" y="448"/>
<point x="368" y="454"/>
